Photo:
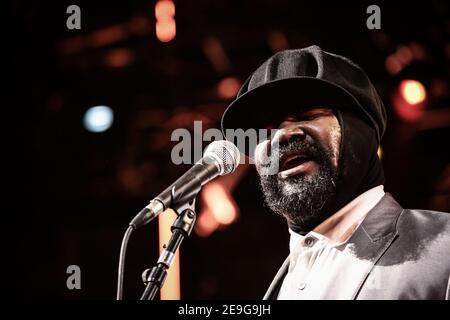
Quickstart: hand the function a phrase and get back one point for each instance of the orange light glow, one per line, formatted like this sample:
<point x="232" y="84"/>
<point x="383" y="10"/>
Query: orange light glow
<point x="165" y="20"/>
<point x="107" y="36"/>
<point x="393" y="65"/>
<point x="206" y="224"/>
<point x="413" y="91"/>
<point x="164" y="9"/>
<point x="404" y="55"/>
<point x="119" y="58"/>
<point x="220" y="203"/>
<point x="219" y="209"/>
<point x="171" y="287"/>
<point x="277" y="41"/>
<point x="166" y="30"/>
<point x="228" y="87"/>
<point x="216" y="54"/>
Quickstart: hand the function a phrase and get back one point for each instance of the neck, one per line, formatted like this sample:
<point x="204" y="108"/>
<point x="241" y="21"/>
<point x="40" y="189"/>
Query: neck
<point x="341" y="225"/>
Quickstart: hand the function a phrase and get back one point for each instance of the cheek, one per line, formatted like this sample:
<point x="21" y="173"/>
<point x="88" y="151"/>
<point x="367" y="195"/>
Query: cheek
<point x="335" y="142"/>
<point x="261" y="154"/>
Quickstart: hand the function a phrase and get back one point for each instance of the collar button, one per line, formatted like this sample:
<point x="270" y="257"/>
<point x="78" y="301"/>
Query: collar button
<point x="309" y="241"/>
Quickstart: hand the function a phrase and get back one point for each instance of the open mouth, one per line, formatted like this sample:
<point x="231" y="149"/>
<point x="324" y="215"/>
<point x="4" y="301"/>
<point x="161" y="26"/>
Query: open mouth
<point x="292" y="161"/>
<point x="294" y="164"/>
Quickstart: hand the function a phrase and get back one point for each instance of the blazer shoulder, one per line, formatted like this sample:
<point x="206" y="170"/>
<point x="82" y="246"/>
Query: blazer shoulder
<point x="425" y="222"/>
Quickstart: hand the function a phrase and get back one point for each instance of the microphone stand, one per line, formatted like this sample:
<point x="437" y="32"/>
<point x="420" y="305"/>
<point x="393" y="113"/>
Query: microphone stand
<point x="182" y="227"/>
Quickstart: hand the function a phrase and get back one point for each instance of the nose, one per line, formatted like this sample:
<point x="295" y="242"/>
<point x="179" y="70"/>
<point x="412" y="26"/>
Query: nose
<point x="288" y="133"/>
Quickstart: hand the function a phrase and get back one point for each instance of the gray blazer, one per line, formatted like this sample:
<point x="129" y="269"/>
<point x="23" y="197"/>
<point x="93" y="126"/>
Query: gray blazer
<point x="406" y="254"/>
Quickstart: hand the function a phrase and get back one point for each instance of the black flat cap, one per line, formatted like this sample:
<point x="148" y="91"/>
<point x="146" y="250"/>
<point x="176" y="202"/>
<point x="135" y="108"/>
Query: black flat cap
<point x="294" y="79"/>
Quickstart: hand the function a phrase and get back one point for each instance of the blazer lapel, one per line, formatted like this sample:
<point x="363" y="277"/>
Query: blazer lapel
<point x="368" y="244"/>
<point x="374" y="236"/>
<point x="275" y="286"/>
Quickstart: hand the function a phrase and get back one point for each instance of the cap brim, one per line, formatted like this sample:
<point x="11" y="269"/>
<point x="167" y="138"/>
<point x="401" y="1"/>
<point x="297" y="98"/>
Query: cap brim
<point x="266" y="104"/>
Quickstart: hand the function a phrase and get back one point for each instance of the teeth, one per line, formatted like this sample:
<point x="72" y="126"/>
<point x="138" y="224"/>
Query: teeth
<point x="290" y="158"/>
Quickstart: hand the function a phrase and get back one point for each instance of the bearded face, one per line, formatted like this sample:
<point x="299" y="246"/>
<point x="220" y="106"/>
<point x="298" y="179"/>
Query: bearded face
<point x="298" y="167"/>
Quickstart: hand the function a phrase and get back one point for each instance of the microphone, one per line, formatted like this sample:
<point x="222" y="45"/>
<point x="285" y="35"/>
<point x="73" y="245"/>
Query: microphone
<point x="220" y="158"/>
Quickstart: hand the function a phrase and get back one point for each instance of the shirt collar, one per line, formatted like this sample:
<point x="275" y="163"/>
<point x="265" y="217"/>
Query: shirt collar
<point x="340" y="226"/>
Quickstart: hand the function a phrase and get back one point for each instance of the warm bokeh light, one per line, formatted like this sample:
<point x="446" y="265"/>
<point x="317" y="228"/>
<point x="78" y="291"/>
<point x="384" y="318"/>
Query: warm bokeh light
<point x="404" y="55"/>
<point x="171" y="287"/>
<point x="220" y="203"/>
<point x="277" y="41"/>
<point x="165" y="20"/>
<point x="413" y="91"/>
<point x="393" y="65"/>
<point x="409" y="101"/>
<point x="107" y="36"/>
<point x="216" y="54"/>
<point x="219" y="209"/>
<point x="166" y="30"/>
<point x="206" y="224"/>
<point x="164" y="9"/>
<point x="119" y="58"/>
<point x="228" y="87"/>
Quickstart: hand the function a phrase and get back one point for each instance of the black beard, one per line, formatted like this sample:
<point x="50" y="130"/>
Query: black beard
<point x="300" y="199"/>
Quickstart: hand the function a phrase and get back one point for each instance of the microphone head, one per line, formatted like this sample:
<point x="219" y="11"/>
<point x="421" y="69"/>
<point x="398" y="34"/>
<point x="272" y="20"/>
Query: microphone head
<point x="225" y="154"/>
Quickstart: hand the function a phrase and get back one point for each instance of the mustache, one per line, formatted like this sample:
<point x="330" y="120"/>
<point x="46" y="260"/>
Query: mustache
<point x="270" y="159"/>
<point x="304" y="146"/>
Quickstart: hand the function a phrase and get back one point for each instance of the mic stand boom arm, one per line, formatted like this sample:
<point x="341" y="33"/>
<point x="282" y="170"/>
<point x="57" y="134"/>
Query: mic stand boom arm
<point x="182" y="227"/>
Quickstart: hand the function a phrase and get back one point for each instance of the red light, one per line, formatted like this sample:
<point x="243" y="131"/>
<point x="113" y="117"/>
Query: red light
<point x="228" y="87"/>
<point x="413" y="91"/>
<point x="409" y="100"/>
<point x="119" y="58"/>
<point x="393" y="65"/>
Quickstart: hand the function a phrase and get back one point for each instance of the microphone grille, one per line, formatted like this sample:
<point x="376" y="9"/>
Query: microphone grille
<point x="225" y="153"/>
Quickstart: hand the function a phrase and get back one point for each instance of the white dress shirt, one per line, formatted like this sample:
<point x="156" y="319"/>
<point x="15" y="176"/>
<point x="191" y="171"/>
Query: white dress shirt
<point x="321" y="260"/>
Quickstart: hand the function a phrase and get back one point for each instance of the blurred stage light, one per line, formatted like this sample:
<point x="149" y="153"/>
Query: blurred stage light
<point x="413" y="91"/>
<point x="228" y="87"/>
<point x="164" y="9"/>
<point x="165" y="30"/>
<point x="220" y="203"/>
<point x="219" y="209"/>
<point x="409" y="101"/>
<point x="277" y="41"/>
<point x="404" y="55"/>
<point x="98" y="119"/>
<point x="165" y="20"/>
<point x="393" y="65"/>
<point x="206" y="224"/>
<point x="119" y="58"/>
<point x="216" y="54"/>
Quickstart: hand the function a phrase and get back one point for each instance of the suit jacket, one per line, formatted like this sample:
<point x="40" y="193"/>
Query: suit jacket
<point x="404" y="254"/>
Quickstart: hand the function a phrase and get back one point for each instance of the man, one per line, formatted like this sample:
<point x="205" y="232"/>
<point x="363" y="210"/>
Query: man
<point x="349" y="239"/>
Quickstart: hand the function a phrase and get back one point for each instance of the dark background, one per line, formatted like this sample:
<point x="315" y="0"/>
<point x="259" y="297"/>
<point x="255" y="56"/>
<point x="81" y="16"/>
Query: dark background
<point x="73" y="192"/>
